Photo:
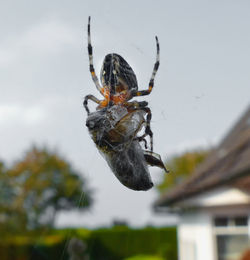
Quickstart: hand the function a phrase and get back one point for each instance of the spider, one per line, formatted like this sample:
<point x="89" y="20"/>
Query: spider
<point x="119" y="85"/>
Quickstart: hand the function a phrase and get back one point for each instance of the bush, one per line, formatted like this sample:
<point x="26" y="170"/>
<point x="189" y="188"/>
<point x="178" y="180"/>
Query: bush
<point x="102" y="244"/>
<point x="122" y="242"/>
<point x="144" y="257"/>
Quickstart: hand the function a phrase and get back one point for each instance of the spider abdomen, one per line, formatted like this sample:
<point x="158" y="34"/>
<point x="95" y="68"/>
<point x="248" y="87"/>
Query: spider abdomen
<point x="118" y="76"/>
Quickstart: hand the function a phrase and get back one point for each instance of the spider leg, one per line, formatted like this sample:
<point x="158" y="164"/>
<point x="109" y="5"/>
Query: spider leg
<point x="91" y="97"/>
<point x="142" y="139"/>
<point x="156" y="66"/>
<point x="148" y="130"/>
<point x="91" y="66"/>
<point x="135" y="104"/>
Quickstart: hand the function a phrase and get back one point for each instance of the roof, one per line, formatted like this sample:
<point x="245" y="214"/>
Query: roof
<point x="228" y="164"/>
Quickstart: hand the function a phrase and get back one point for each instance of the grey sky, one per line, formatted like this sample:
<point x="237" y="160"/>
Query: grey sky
<point x="201" y="88"/>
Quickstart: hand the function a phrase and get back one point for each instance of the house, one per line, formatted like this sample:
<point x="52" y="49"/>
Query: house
<point x="214" y="203"/>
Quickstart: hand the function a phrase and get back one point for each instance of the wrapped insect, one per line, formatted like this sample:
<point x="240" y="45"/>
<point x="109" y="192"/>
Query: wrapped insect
<point x="114" y="131"/>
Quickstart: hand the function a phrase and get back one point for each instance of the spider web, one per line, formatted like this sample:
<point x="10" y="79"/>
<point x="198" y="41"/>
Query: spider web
<point x="124" y="154"/>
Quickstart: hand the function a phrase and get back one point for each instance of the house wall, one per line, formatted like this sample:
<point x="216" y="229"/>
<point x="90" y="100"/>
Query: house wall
<point x="196" y="231"/>
<point x="195" y="236"/>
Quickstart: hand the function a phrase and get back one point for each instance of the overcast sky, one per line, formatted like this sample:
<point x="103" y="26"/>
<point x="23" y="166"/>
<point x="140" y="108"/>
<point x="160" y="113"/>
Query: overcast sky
<point x="201" y="88"/>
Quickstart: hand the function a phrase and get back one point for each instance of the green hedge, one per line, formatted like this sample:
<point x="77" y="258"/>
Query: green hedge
<point x="121" y="242"/>
<point x="115" y="243"/>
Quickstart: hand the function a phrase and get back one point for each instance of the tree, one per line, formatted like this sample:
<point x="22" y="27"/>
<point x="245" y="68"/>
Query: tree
<point x="39" y="185"/>
<point x="6" y="197"/>
<point x="181" y="167"/>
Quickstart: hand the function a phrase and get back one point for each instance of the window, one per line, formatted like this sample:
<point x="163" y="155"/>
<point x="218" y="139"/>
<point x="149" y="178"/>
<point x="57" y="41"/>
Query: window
<point x="231" y="247"/>
<point x="231" y="221"/>
<point x="231" y="236"/>
<point x="241" y="221"/>
<point x="221" y="222"/>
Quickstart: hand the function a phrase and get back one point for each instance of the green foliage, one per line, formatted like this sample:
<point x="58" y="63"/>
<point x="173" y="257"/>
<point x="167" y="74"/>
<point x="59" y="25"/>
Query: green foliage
<point x="122" y="242"/>
<point x="36" y="187"/>
<point x="182" y="166"/>
<point x="144" y="257"/>
<point x="104" y="244"/>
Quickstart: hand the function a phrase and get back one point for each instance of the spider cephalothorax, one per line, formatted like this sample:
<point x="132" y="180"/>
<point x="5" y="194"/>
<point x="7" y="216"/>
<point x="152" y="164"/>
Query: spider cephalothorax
<point x="119" y="85"/>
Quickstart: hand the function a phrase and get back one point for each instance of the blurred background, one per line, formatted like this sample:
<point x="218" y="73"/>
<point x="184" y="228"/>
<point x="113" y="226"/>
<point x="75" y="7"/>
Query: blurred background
<point x="58" y="197"/>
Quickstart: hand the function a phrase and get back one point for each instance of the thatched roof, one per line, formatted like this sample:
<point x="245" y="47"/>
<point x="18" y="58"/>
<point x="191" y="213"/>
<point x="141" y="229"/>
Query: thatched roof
<point x="228" y="164"/>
